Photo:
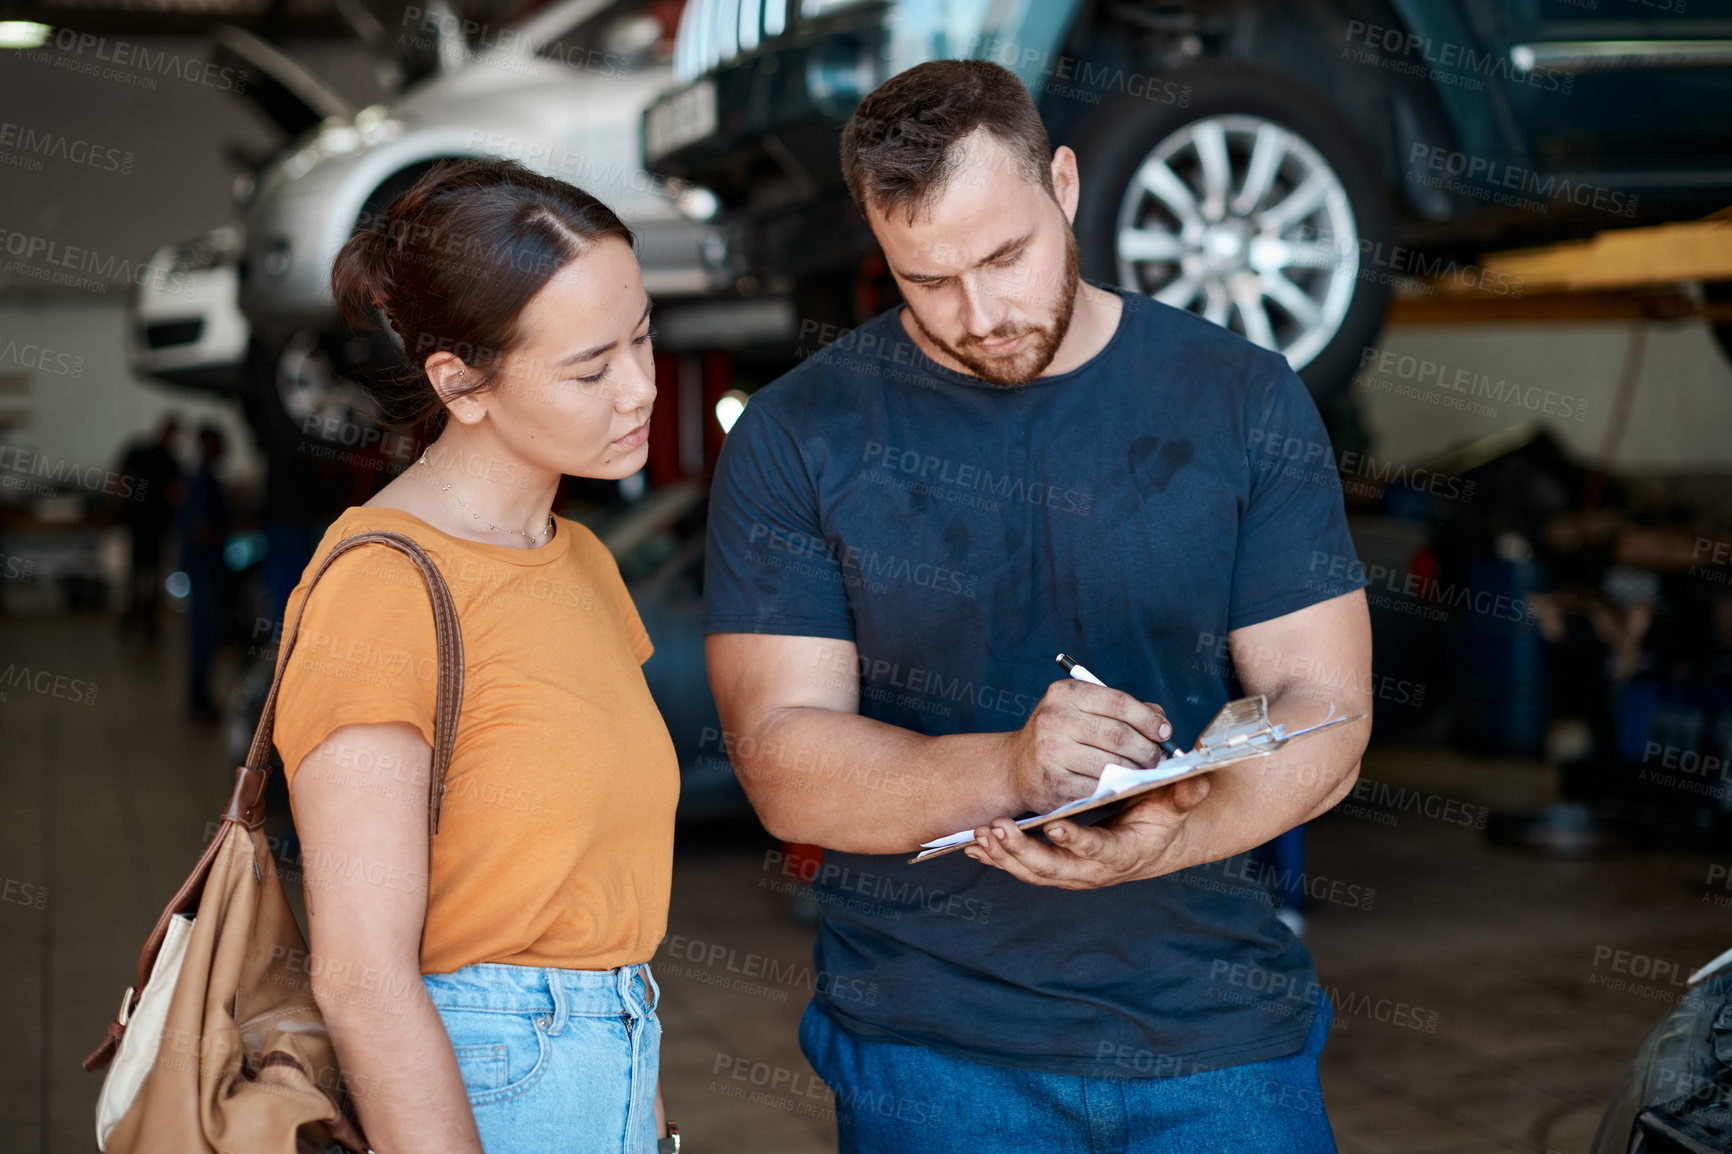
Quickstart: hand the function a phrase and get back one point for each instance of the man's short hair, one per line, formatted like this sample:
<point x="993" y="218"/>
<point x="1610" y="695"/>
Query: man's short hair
<point x="899" y="148"/>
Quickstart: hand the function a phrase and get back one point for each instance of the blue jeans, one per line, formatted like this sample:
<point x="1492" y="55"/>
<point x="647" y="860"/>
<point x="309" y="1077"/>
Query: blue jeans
<point x="893" y="1098"/>
<point x="555" y="1059"/>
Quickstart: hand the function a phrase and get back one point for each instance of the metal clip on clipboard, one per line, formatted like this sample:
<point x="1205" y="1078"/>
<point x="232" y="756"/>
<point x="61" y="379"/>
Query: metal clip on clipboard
<point x="1239" y="731"/>
<point x="1242" y="729"/>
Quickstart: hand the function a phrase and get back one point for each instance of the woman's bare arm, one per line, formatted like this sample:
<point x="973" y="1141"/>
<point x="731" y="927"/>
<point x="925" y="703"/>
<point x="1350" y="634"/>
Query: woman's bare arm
<point x="360" y="802"/>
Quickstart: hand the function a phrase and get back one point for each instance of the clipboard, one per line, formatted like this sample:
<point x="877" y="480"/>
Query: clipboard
<point x="1241" y="730"/>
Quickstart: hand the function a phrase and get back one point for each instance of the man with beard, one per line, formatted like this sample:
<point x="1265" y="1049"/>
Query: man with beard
<point x="904" y="531"/>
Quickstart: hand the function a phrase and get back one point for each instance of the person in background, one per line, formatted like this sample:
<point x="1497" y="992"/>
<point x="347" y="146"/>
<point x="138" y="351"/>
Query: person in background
<point x="204" y="526"/>
<point x="148" y="512"/>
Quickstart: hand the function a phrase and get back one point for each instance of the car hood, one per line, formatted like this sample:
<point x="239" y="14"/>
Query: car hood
<point x="288" y="94"/>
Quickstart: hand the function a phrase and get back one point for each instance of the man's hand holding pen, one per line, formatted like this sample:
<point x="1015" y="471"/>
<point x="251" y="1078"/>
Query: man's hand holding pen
<point x="1079" y="728"/>
<point x="1075" y="731"/>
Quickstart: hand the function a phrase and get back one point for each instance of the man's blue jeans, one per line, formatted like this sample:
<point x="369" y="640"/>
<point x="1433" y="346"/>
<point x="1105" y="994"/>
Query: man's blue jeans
<point x="893" y="1098"/>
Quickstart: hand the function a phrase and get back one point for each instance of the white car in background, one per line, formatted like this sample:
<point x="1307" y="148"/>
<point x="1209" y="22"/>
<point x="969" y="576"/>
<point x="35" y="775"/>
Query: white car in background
<point x="185" y="323"/>
<point x="562" y="91"/>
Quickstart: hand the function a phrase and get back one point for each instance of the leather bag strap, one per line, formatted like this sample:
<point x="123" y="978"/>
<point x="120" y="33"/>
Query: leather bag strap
<point x="246" y="803"/>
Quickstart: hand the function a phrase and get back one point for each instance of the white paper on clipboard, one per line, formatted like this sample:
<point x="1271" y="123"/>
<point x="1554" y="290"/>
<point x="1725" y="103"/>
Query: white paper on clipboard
<point x="1240" y="730"/>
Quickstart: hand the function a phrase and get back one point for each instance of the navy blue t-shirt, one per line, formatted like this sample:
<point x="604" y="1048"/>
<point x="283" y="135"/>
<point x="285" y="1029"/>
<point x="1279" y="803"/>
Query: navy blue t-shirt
<point x="961" y="533"/>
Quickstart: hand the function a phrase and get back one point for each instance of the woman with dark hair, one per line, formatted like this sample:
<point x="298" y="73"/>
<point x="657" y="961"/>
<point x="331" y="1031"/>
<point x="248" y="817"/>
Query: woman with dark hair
<point x="488" y="987"/>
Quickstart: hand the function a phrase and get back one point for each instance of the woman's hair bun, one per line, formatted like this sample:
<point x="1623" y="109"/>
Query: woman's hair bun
<point x="453" y="260"/>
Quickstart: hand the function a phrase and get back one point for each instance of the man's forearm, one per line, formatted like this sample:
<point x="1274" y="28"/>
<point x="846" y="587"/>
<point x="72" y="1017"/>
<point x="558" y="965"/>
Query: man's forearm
<point x="1257" y="800"/>
<point x="849" y="783"/>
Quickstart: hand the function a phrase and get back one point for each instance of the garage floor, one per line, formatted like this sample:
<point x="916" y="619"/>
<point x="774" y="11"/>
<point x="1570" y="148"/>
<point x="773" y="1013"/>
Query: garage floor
<point x="104" y="803"/>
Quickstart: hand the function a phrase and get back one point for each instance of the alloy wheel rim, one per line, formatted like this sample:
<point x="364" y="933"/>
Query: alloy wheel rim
<point x="1240" y="220"/>
<point x="310" y="390"/>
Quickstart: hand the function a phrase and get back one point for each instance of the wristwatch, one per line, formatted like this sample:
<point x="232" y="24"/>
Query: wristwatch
<point x="670" y="1144"/>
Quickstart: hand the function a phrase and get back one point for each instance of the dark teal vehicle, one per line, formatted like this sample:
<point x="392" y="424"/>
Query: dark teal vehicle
<point x="1274" y="166"/>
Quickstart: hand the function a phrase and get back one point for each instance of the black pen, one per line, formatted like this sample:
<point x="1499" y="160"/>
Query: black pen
<point x="1074" y="667"/>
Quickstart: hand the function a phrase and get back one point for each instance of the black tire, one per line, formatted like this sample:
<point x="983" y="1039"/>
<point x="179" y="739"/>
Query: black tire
<point x="337" y="420"/>
<point x="1113" y="142"/>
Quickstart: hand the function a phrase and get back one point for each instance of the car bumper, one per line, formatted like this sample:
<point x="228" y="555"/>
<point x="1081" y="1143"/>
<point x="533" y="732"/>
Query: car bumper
<point x="185" y="326"/>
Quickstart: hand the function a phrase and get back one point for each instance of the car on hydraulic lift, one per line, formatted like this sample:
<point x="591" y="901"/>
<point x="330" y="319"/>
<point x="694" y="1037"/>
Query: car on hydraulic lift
<point x="1275" y="167"/>
<point x="561" y="91"/>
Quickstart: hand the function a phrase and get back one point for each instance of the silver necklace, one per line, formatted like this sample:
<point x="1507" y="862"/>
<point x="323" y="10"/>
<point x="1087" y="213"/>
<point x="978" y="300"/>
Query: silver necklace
<point x="445" y="486"/>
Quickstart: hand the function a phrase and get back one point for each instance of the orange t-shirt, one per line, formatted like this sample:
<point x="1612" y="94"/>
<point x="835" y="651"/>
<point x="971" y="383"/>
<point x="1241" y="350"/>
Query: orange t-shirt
<point x="555" y="845"/>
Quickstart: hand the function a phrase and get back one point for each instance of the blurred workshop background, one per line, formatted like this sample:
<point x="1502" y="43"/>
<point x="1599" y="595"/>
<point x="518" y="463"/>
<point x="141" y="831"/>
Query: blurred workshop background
<point x="1492" y="236"/>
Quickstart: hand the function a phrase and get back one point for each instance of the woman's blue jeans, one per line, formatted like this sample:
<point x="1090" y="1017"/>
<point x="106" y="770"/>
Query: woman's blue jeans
<point x="555" y="1059"/>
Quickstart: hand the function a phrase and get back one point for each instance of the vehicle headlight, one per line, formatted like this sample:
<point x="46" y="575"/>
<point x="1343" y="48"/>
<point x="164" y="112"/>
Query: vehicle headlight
<point x="339" y="140"/>
<point x="374" y="124"/>
<point x="214" y="248"/>
<point x="196" y="256"/>
<point x="335" y="137"/>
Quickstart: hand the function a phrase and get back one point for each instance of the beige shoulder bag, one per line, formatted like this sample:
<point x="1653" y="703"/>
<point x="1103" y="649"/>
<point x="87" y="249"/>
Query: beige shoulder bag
<point x="221" y="1046"/>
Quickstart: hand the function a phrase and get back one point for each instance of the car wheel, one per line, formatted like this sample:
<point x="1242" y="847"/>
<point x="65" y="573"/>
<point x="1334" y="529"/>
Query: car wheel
<point x="1250" y="204"/>
<point x="309" y="395"/>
